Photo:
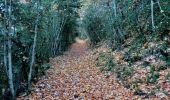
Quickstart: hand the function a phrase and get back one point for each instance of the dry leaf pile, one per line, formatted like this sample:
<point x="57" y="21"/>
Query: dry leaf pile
<point x="74" y="76"/>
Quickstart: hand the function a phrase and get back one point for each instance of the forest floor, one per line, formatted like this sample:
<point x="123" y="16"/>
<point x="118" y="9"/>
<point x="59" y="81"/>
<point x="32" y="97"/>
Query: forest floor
<point x="74" y="76"/>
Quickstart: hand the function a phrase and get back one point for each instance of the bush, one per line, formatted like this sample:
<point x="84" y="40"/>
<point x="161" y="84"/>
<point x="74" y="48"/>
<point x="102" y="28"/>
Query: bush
<point x="124" y="72"/>
<point x="153" y="76"/>
<point x="97" y="22"/>
<point x="106" y="63"/>
<point x="133" y="19"/>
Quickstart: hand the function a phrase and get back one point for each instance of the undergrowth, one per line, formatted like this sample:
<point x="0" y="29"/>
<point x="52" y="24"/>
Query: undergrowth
<point x="106" y="63"/>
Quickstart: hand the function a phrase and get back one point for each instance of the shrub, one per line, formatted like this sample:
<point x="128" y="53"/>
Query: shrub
<point x="106" y="63"/>
<point x="124" y="72"/>
<point x="97" y="22"/>
<point x="153" y="76"/>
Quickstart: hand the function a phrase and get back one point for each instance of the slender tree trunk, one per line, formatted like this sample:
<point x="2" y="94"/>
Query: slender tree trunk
<point x="118" y="28"/>
<point x="152" y="15"/>
<point x="9" y="45"/>
<point x="114" y="6"/>
<point x="56" y="38"/>
<point x="10" y="74"/>
<point x="5" y="54"/>
<point x="32" y="56"/>
<point x="54" y="35"/>
<point x="33" y="49"/>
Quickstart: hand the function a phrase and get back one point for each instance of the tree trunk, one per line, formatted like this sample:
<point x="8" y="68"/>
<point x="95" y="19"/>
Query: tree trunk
<point x="9" y="51"/>
<point x="10" y="74"/>
<point x="152" y="15"/>
<point x="114" y="6"/>
<point x="5" y="54"/>
<point x="32" y="56"/>
<point x="57" y="35"/>
<point x="33" y="49"/>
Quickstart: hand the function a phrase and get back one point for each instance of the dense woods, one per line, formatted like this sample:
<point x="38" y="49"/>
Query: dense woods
<point x="33" y="31"/>
<point x="116" y="19"/>
<point x="137" y="33"/>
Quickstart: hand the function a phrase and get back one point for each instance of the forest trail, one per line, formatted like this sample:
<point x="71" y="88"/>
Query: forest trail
<point x="78" y="48"/>
<point x="74" y="76"/>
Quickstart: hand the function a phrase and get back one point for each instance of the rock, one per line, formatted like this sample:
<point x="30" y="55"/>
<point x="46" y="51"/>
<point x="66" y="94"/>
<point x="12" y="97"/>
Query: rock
<point x="161" y="95"/>
<point x="37" y="90"/>
<point x="145" y="45"/>
<point x="57" y="72"/>
<point x="151" y="59"/>
<point x="118" y="56"/>
<point x="168" y="50"/>
<point x="42" y="85"/>
<point x="48" y="86"/>
<point x="151" y="45"/>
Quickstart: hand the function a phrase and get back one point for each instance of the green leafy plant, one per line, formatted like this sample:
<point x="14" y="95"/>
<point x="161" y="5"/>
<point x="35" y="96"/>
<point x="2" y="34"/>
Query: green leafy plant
<point x="153" y="75"/>
<point x="124" y="72"/>
<point x="105" y="62"/>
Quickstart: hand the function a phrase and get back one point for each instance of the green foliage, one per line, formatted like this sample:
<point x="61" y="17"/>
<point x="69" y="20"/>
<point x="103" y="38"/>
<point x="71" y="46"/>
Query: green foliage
<point x="132" y="57"/>
<point x="57" y="29"/>
<point x="97" y="22"/>
<point x="167" y="60"/>
<point x="153" y="75"/>
<point x="124" y="72"/>
<point x="162" y="67"/>
<point x="133" y="19"/>
<point x="106" y="63"/>
<point x="163" y="53"/>
<point x="55" y="17"/>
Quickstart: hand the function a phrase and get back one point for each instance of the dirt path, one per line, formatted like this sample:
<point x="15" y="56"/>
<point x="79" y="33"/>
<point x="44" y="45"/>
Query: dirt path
<point x="77" y="49"/>
<point x="74" y="76"/>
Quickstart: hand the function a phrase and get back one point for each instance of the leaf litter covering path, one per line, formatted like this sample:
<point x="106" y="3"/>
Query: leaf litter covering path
<point x="74" y="76"/>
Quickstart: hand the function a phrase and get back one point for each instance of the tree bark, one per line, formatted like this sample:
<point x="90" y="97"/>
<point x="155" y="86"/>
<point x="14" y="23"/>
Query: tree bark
<point x="152" y="15"/>
<point x="33" y="49"/>
<point x="9" y="46"/>
<point x="5" y="53"/>
<point x="114" y="6"/>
